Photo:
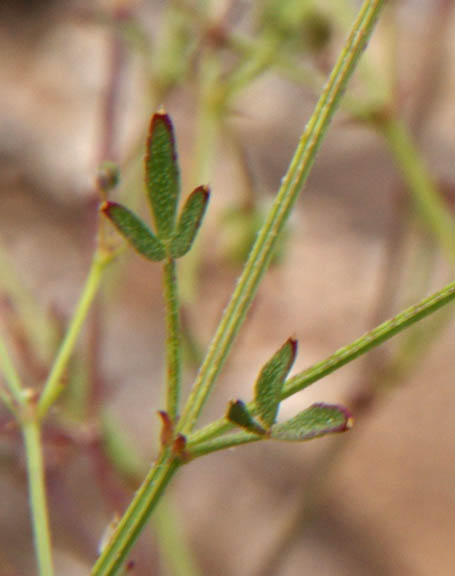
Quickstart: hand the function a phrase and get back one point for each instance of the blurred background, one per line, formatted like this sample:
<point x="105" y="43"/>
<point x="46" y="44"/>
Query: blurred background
<point x="372" y="233"/>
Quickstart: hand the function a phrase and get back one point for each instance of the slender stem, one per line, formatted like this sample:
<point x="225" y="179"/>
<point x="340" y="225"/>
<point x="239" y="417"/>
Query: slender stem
<point x="54" y="385"/>
<point x="377" y="336"/>
<point x="37" y="494"/>
<point x="343" y="356"/>
<point x="11" y="376"/>
<point x="173" y="352"/>
<point x="126" y="460"/>
<point x="176" y="556"/>
<point x="6" y="399"/>
<point x="292" y="183"/>
<point x="137" y="514"/>
<point x="428" y="202"/>
<point x="223" y="441"/>
<point x="37" y="324"/>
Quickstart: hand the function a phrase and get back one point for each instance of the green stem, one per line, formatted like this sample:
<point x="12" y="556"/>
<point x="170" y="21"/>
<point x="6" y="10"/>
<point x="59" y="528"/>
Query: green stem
<point x="137" y="514"/>
<point x="222" y="442"/>
<point x="38" y="326"/>
<point x="177" y="558"/>
<point x="37" y="494"/>
<point x="6" y="399"/>
<point x="428" y="202"/>
<point x="11" y="376"/>
<point x="125" y="459"/>
<point x="380" y="334"/>
<point x="54" y="385"/>
<point x="173" y="355"/>
<point x="292" y="183"/>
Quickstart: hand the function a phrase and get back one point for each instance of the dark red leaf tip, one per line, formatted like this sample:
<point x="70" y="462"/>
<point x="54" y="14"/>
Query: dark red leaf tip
<point x="179" y="447"/>
<point x="104" y="207"/>
<point x="205" y="188"/>
<point x="294" y="344"/>
<point x="162" y="117"/>
<point x="348" y="417"/>
<point x="167" y="429"/>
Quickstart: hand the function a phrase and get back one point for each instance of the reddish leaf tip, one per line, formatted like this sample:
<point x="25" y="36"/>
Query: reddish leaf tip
<point x="206" y="189"/>
<point x="348" y="417"/>
<point x="167" y="427"/>
<point x="104" y="207"/>
<point x="294" y="344"/>
<point x="179" y="447"/>
<point x="163" y="117"/>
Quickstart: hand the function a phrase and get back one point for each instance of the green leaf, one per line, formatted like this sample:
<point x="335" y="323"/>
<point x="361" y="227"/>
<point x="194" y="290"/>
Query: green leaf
<point x="135" y="231"/>
<point x="238" y="414"/>
<point x="270" y="382"/>
<point x="162" y="174"/>
<point x="189" y="222"/>
<point x="317" y="420"/>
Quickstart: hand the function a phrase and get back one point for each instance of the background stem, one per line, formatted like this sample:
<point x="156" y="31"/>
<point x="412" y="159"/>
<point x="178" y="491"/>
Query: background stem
<point x="11" y="376"/>
<point x="37" y="494"/>
<point x="54" y="385"/>
<point x="427" y="200"/>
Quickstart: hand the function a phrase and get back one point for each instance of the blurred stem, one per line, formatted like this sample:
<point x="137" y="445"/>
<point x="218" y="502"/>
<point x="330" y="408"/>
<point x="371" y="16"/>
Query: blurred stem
<point x="205" y="149"/>
<point x="292" y="184"/>
<point x="37" y="493"/>
<point x="343" y="356"/>
<point x="54" y="386"/>
<point x="173" y="352"/>
<point x="11" y="376"/>
<point x="428" y="202"/>
<point x="37" y="324"/>
<point x="6" y="399"/>
<point x="137" y="514"/>
<point x="120" y="451"/>
<point x="177" y="557"/>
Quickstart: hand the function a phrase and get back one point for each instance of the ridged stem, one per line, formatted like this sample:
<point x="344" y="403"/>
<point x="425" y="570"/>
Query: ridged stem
<point x="291" y="186"/>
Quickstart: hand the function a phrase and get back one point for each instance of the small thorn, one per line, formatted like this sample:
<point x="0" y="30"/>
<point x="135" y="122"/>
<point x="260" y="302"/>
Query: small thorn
<point x="167" y="429"/>
<point x="179" y="447"/>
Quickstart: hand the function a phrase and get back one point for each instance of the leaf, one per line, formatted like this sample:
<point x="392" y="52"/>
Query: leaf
<point x="162" y="174"/>
<point x="238" y="414"/>
<point x="317" y="420"/>
<point x="189" y="222"/>
<point x="270" y="382"/>
<point x="135" y="231"/>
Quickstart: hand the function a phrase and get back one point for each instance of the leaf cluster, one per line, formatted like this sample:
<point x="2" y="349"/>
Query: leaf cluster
<point x="172" y="237"/>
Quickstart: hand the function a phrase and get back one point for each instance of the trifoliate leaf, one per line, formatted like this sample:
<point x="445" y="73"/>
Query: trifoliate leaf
<point x="317" y="420"/>
<point x="135" y="231"/>
<point x="189" y="221"/>
<point x="162" y="174"/>
<point x="238" y="414"/>
<point x="270" y="382"/>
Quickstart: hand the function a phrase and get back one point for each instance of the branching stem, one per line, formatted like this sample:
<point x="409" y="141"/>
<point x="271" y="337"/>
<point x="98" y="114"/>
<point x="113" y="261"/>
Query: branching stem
<point x="148" y="494"/>
<point x="207" y="440"/>
<point x="54" y="385"/>
<point x="291" y="185"/>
